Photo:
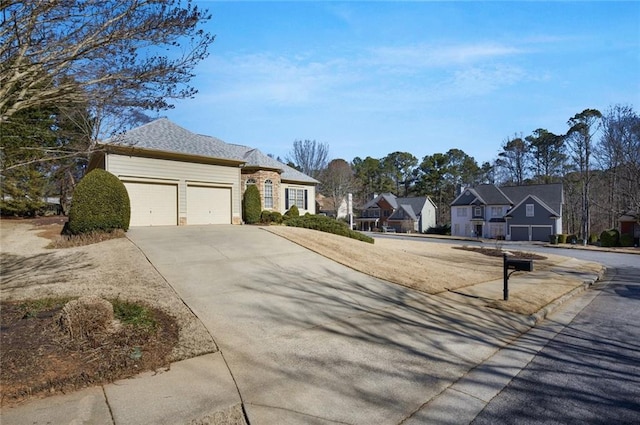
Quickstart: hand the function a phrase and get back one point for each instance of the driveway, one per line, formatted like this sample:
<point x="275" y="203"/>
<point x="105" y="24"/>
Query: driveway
<point x="310" y="341"/>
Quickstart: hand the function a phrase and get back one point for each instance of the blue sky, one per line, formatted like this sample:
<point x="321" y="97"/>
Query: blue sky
<point x="371" y="78"/>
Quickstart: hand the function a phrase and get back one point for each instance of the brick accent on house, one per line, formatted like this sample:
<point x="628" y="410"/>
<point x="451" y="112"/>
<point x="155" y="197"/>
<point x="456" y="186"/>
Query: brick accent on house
<point x="260" y="176"/>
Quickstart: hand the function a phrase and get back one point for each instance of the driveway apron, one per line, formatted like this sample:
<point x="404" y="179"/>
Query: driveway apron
<point x="311" y="341"/>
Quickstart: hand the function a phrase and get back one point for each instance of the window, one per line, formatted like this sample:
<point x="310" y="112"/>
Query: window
<point x="268" y="194"/>
<point x="477" y="212"/>
<point x="530" y="210"/>
<point x="462" y="211"/>
<point x="297" y="197"/>
<point x="249" y="182"/>
<point x="496" y="211"/>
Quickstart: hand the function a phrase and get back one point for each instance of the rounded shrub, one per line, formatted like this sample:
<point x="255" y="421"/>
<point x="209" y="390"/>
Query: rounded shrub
<point x="292" y="212"/>
<point x="276" y="217"/>
<point x="572" y="239"/>
<point x="593" y="239"/>
<point x="562" y="238"/>
<point x="100" y="203"/>
<point x="251" y="207"/>
<point x="609" y="238"/>
<point x="265" y="217"/>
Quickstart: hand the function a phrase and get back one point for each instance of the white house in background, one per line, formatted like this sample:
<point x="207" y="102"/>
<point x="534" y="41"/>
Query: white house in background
<point x="176" y="177"/>
<point x="518" y="213"/>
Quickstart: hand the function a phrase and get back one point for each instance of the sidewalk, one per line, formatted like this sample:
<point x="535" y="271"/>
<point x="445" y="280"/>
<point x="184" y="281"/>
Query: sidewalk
<point x="368" y="346"/>
<point x="194" y="391"/>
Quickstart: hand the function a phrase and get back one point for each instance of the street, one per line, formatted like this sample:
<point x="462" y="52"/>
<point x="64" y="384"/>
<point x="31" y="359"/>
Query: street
<point x="589" y="373"/>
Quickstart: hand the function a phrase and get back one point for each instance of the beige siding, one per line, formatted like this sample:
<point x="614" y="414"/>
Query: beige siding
<point x="162" y="170"/>
<point x="311" y="197"/>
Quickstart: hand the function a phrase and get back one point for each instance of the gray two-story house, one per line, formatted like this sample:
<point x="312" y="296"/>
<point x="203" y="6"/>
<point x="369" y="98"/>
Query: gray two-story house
<point x="518" y="213"/>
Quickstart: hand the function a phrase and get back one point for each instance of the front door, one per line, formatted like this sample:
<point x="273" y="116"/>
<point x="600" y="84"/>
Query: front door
<point x="478" y="230"/>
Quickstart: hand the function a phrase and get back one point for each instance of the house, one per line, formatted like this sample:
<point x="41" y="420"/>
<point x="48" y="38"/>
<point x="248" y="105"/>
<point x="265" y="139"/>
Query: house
<point x="176" y="177"/>
<point x="630" y="225"/>
<point x="518" y="213"/>
<point x="325" y="205"/>
<point x="415" y="214"/>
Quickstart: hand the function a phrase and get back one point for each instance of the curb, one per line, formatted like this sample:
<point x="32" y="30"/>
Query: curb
<point x="542" y="314"/>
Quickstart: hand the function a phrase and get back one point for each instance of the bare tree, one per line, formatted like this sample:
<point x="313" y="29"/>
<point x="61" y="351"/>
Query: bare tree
<point x="337" y="180"/>
<point x="579" y="139"/>
<point x="309" y="156"/>
<point x="618" y="154"/>
<point x="514" y="158"/>
<point x="131" y="52"/>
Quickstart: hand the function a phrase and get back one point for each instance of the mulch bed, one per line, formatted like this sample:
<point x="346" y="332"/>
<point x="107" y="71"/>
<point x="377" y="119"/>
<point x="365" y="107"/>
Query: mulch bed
<point x="39" y="359"/>
<point x="493" y="252"/>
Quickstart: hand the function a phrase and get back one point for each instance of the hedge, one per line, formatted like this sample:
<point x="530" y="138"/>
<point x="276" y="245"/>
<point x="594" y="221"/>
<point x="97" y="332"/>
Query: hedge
<point x="328" y="225"/>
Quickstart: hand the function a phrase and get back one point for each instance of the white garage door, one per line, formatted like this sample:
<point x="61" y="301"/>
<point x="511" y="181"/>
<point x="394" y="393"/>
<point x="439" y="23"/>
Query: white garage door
<point x="208" y="205"/>
<point x="153" y="204"/>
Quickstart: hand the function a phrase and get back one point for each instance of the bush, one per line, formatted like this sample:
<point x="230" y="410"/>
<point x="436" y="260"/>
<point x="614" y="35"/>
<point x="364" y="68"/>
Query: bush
<point x="251" y="205"/>
<point x="553" y="239"/>
<point x="572" y="239"/>
<point x="441" y="229"/>
<point x="609" y="238"/>
<point x="268" y="217"/>
<point x="292" y="212"/>
<point x="100" y="203"/>
<point x="562" y="238"/>
<point x="593" y="239"/>
<point x="328" y="225"/>
<point x="626" y="240"/>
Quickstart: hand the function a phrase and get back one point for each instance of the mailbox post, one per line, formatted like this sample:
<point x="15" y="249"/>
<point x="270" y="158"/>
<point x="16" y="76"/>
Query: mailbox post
<point x="516" y="266"/>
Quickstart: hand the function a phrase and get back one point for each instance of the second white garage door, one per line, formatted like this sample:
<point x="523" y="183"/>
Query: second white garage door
<point x="208" y="205"/>
<point x="153" y="204"/>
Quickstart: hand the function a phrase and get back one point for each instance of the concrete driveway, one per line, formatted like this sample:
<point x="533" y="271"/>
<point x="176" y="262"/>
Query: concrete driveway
<point x="311" y="341"/>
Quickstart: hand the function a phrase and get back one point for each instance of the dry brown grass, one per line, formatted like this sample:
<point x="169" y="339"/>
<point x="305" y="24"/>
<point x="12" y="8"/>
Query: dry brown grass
<point x="438" y="268"/>
<point x="71" y="241"/>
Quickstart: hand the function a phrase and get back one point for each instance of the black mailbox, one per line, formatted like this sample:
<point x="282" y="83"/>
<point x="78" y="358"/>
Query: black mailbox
<point x="515" y="266"/>
<point x="520" y="265"/>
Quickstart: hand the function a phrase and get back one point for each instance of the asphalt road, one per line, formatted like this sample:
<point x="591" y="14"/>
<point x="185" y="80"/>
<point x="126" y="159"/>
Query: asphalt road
<point x="589" y="373"/>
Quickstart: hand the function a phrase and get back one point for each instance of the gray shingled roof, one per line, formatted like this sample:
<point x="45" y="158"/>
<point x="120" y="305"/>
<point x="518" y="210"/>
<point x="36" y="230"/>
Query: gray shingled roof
<point x="550" y="194"/>
<point x="389" y="197"/>
<point x="163" y="135"/>
<point x="491" y="195"/>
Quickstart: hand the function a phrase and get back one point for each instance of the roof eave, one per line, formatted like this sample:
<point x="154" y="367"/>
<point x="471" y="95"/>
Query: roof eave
<point x="159" y="154"/>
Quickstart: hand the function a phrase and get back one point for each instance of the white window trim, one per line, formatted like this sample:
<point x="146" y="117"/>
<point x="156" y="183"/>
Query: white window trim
<point x="530" y="210"/>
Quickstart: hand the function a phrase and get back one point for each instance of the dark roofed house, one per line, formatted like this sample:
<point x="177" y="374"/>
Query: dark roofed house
<point x="176" y="177"/>
<point x="415" y="214"/>
<point x="519" y="213"/>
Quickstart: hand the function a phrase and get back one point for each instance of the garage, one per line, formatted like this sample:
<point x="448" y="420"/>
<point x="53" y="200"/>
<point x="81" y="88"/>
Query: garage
<point x="208" y="205"/>
<point x="519" y="233"/>
<point x="541" y="233"/>
<point x="153" y="204"/>
<point x="531" y="233"/>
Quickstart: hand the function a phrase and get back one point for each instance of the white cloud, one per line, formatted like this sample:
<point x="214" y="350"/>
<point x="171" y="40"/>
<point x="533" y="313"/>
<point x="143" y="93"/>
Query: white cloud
<point x="429" y="56"/>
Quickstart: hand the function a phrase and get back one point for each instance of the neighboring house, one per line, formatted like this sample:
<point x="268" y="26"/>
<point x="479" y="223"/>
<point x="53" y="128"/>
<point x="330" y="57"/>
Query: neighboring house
<point x="176" y="177"/>
<point x="630" y="225"/>
<point x="403" y="214"/>
<point x="324" y="205"/>
<point x="518" y="213"/>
